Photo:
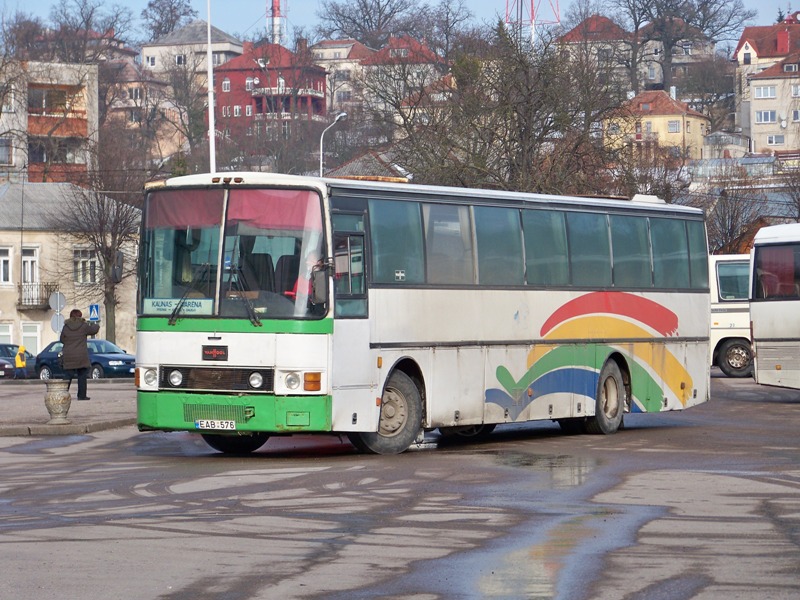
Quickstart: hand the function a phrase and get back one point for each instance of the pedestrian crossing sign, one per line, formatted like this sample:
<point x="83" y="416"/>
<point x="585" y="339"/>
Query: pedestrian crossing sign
<point x="94" y="312"/>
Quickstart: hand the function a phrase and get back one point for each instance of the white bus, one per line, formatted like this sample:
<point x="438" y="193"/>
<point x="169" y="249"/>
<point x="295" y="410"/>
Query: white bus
<point x="271" y="305"/>
<point x="730" y="314"/>
<point x="775" y="305"/>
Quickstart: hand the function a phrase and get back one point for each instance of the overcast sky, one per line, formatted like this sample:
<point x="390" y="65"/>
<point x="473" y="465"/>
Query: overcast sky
<point x="246" y="17"/>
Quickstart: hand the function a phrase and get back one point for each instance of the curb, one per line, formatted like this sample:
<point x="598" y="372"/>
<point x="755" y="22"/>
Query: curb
<point x="66" y="429"/>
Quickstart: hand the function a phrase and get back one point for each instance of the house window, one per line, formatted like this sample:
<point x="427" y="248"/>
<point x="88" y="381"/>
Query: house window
<point x="674" y="126"/>
<point x="795" y="90"/>
<point x="766" y="116"/>
<point x="651" y="72"/>
<point x="775" y="140"/>
<point x="8" y="99"/>
<point x="135" y="115"/>
<point x="343" y="96"/>
<point x="792" y="68"/>
<point x="6" y="151"/>
<point x="150" y="61"/>
<point x="645" y="106"/>
<point x="248" y="84"/>
<point x="398" y="52"/>
<point x="30" y="265"/>
<point x="796" y="115"/>
<point x="248" y="110"/>
<point x="765" y="91"/>
<point x="5" y="265"/>
<point x="5" y="333"/>
<point x="688" y="126"/>
<point x="226" y="85"/>
<point x="180" y="59"/>
<point x="648" y="127"/>
<point x="46" y="100"/>
<point x="84" y="266"/>
<point x="342" y="74"/>
<point x="217" y="58"/>
<point x="746" y="58"/>
<point x="135" y="93"/>
<point x="237" y="111"/>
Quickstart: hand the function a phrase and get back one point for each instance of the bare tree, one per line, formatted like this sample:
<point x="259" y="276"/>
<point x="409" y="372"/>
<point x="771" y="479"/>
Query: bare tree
<point x="709" y="85"/>
<point x="84" y="31"/>
<point x="675" y="21"/>
<point x="371" y="22"/>
<point x="165" y="16"/>
<point x="733" y="203"/>
<point x="108" y="230"/>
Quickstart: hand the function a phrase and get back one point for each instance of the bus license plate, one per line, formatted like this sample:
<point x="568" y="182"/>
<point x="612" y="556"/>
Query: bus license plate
<point x="215" y="424"/>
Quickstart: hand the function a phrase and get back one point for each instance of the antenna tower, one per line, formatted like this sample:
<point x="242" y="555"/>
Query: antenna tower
<point x="524" y="15"/>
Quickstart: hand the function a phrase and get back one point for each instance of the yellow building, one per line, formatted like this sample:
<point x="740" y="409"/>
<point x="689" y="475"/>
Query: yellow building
<point x="653" y="120"/>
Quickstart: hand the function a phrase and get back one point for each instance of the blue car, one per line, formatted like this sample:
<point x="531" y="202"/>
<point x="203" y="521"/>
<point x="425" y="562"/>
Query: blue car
<point x="108" y="360"/>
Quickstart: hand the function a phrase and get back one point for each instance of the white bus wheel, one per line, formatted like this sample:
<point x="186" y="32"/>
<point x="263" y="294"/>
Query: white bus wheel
<point x="610" y="402"/>
<point x="400" y="420"/>
<point x="735" y="358"/>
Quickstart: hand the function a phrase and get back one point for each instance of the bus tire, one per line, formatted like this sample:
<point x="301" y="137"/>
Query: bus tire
<point x="400" y="420"/>
<point x="235" y="444"/>
<point x="735" y="358"/>
<point x="466" y="433"/>
<point x="610" y="401"/>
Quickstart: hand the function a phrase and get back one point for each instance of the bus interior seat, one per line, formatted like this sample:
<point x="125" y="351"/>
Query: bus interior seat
<point x="286" y="271"/>
<point x="263" y="270"/>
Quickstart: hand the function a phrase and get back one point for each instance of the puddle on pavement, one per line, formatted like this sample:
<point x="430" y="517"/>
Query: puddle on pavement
<point x="565" y="471"/>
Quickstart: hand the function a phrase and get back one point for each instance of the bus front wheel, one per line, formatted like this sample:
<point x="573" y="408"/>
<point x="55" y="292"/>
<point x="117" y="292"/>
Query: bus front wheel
<point x="610" y="402"/>
<point x="400" y="420"/>
<point x="235" y="444"/>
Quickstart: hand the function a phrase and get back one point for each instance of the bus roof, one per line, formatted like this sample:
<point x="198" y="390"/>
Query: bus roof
<point x="788" y="232"/>
<point x="246" y="179"/>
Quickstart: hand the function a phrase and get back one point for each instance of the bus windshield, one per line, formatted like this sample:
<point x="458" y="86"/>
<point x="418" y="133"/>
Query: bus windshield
<point x="245" y="253"/>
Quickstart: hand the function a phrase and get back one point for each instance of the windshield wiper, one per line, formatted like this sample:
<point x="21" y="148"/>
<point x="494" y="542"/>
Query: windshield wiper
<point x="173" y="318"/>
<point x="251" y="310"/>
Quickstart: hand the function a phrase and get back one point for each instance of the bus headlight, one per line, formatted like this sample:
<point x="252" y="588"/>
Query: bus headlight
<point x="175" y="378"/>
<point x="150" y="377"/>
<point x="256" y="380"/>
<point x="292" y="380"/>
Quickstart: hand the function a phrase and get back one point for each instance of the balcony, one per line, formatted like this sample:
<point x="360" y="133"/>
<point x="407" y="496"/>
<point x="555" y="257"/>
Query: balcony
<point x="288" y="91"/>
<point x="72" y="124"/>
<point x="35" y="296"/>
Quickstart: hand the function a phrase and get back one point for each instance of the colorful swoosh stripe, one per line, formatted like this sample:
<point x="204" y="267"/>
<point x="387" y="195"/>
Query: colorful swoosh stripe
<point x="574" y="367"/>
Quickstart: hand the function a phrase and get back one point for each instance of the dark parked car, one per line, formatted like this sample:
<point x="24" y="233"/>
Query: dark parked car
<point x="108" y="360"/>
<point x="8" y="352"/>
<point x="6" y="369"/>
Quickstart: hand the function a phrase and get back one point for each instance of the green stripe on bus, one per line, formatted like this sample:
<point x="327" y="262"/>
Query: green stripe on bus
<point x="235" y="325"/>
<point x="176" y="411"/>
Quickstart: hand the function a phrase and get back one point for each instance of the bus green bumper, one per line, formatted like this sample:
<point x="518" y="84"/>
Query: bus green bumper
<point x="174" y="411"/>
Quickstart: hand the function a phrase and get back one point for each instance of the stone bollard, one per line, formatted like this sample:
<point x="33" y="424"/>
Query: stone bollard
<point x="57" y="401"/>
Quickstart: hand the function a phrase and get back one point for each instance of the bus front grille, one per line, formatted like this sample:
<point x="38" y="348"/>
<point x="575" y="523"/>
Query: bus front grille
<point x="216" y="379"/>
<point x="222" y="412"/>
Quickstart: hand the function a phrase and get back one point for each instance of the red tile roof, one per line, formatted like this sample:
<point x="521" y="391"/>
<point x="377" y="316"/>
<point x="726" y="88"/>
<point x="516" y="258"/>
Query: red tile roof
<point x="764" y="38"/>
<point x="659" y="103"/>
<point x="596" y="28"/>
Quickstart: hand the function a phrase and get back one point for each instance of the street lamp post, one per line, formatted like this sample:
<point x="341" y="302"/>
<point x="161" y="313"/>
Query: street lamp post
<point x="340" y="117"/>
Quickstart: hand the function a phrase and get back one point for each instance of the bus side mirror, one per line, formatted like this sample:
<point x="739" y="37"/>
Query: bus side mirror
<point x="319" y="286"/>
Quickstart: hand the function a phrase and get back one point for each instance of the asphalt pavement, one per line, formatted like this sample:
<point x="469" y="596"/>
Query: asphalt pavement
<point x="23" y="412"/>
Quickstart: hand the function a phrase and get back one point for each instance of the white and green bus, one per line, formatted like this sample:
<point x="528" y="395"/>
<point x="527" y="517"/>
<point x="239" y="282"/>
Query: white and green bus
<point x="273" y="305"/>
<point x="775" y="305"/>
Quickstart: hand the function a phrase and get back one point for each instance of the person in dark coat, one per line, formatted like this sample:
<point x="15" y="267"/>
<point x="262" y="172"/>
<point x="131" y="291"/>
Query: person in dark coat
<point x="75" y="351"/>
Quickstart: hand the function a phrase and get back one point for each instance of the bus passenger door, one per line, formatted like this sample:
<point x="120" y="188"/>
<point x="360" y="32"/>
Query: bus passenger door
<point x="354" y="375"/>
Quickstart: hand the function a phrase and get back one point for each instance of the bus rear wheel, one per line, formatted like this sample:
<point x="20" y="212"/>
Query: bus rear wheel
<point x="400" y="420"/>
<point x="735" y="358"/>
<point x="466" y="433"/>
<point x="235" y="444"/>
<point x="610" y="401"/>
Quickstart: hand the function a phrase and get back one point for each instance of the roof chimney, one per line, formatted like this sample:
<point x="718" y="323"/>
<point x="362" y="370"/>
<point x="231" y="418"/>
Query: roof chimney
<point x="783" y="42"/>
